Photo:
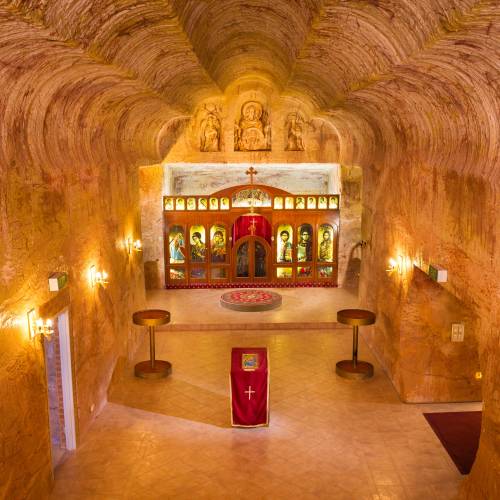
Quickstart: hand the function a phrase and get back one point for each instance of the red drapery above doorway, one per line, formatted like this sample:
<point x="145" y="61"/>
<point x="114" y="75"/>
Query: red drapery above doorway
<point x="243" y="227"/>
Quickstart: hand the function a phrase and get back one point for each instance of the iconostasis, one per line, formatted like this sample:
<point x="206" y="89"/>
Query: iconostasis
<point x="251" y="235"/>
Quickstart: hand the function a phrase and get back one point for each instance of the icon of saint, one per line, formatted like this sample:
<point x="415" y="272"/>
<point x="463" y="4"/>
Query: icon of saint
<point x="176" y="248"/>
<point x="218" y="248"/>
<point x="197" y="248"/>
<point x="210" y="134"/>
<point x="326" y="248"/>
<point x="294" y="127"/>
<point x="252" y="132"/>
<point x="285" y="250"/>
<point x="304" y="246"/>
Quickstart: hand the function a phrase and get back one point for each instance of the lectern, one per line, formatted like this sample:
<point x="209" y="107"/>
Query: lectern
<point x="352" y="368"/>
<point x="154" y="368"/>
<point x="249" y="387"/>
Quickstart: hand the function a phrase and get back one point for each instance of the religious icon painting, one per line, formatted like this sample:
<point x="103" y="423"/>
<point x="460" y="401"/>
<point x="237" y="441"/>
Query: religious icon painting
<point x="191" y="203"/>
<point x="300" y="203"/>
<point x="304" y="272"/>
<point x="289" y="202"/>
<point x="197" y="243"/>
<point x="169" y="203"/>
<point x="251" y="197"/>
<point x="311" y="202"/>
<point x="305" y="243"/>
<point x="284" y="238"/>
<point x="260" y="260"/>
<point x="176" y="245"/>
<point x="218" y="243"/>
<point x="242" y="261"/>
<point x="322" y="202"/>
<point x="224" y="203"/>
<point x="180" y="204"/>
<point x="325" y="271"/>
<point x="218" y="273"/>
<point x="198" y="273"/>
<point x="284" y="272"/>
<point x="278" y="202"/>
<point x="214" y="204"/>
<point x="325" y="243"/>
<point x="179" y="273"/>
<point x="202" y="204"/>
<point x="334" y="202"/>
<point x="249" y="362"/>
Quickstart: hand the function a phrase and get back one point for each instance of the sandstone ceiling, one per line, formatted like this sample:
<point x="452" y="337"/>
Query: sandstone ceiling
<point x="393" y="76"/>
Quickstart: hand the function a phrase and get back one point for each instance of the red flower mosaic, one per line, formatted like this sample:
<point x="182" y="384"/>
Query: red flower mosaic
<point x="250" y="300"/>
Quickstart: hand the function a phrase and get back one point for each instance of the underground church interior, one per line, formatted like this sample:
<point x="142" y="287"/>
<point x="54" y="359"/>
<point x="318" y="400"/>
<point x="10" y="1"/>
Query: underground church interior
<point x="249" y="248"/>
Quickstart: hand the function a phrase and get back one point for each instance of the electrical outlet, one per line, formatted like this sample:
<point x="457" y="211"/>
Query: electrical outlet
<point x="457" y="332"/>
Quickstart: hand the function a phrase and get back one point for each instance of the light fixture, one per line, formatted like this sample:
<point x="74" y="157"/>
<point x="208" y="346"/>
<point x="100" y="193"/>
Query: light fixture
<point x="97" y="277"/>
<point x="37" y="326"/>
<point x="400" y="265"/>
<point x="478" y="375"/>
<point x="392" y="266"/>
<point x="131" y="244"/>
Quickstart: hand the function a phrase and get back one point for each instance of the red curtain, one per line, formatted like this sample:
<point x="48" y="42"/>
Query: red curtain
<point x="243" y="226"/>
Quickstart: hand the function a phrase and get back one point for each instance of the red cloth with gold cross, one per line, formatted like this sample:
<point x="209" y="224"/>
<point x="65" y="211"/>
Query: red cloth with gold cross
<point x="249" y="387"/>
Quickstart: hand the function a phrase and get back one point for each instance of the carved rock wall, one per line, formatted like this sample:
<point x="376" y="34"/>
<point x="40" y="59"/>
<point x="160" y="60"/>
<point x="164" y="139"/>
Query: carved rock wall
<point x="68" y="199"/>
<point x="95" y="88"/>
<point x="431" y="191"/>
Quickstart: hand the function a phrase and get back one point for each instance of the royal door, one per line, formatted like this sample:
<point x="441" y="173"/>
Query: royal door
<point x="251" y="256"/>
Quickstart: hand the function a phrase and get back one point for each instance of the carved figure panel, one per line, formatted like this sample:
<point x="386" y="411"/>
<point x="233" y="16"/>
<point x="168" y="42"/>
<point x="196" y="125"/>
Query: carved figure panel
<point x="294" y="129"/>
<point x="253" y="131"/>
<point x="210" y="133"/>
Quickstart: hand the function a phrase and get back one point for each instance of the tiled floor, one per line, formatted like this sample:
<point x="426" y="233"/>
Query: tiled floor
<point x="328" y="438"/>
<point x="301" y="307"/>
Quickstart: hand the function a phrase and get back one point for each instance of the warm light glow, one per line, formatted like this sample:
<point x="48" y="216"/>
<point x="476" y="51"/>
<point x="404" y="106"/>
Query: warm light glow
<point x="37" y="326"/>
<point x="478" y="375"/>
<point x="131" y="244"/>
<point x="392" y="265"/>
<point x="400" y="264"/>
<point x="92" y="273"/>
<point x="98" y="277"/>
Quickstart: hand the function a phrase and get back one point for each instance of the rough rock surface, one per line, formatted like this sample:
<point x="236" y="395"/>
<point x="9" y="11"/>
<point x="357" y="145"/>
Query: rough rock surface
<point x="93" y="89"/>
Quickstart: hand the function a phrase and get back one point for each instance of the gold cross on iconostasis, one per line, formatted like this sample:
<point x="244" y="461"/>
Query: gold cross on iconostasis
<point x="252" y="227"/>
<point x="251" y="172"/>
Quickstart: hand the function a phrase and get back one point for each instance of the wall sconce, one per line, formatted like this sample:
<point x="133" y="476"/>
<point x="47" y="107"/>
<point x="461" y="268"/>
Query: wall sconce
<point x="478" y="375"/>
<point x="37" y="326"/>
<point x="392" y="266"/>
<point x="135" y="245"/>
<point x="97" y="277"/>
<point x="399" y="265"/>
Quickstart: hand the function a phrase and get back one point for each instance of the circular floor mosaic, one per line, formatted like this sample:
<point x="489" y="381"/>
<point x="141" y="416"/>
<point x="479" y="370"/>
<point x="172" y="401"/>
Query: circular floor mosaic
<point x="250" y="300"/>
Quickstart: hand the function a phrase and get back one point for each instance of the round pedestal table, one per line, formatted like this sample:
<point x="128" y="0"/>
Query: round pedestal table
<point x="352" y="368"/>
<point x="154" y="368"/>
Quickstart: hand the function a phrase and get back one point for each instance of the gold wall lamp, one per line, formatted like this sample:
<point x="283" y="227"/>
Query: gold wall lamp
<point x="38" y="326"/>
<point x="400" y="265"/>
<point x="133" y="245"/>
<point x="97" y="277"/>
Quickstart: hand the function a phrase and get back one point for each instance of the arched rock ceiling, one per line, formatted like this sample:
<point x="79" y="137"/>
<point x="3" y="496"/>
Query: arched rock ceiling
<point x="386" y="72"/>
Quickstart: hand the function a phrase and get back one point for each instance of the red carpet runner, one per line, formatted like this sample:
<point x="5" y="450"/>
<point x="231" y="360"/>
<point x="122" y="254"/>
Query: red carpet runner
<point x="459" y="434"/>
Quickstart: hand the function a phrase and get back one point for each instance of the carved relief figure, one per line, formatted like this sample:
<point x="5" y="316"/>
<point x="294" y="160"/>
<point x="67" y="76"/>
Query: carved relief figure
<point x="210" y="133"/>
<point x="294" y="130"/>
<point x="253" y="131"/>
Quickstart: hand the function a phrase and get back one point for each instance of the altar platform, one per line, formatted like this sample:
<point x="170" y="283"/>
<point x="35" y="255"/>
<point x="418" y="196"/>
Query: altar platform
<point x="311" y="308"/>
